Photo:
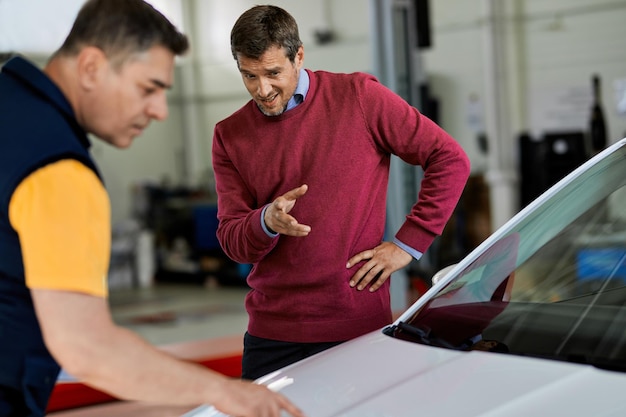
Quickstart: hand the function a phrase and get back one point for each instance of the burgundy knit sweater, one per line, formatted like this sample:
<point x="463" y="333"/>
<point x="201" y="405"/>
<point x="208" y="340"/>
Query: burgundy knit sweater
<point x="338" y="142"/>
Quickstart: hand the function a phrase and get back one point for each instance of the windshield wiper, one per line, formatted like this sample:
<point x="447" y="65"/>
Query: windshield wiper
<point x="420" y="335"/>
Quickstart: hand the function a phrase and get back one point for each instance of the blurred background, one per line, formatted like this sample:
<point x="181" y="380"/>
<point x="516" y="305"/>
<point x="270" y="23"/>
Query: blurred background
<point x="529" y="88"/>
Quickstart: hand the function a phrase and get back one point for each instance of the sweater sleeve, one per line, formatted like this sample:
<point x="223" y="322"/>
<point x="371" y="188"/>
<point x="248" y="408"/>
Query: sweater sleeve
<point x="400" y="129"/>
<point x="239" y="231"/>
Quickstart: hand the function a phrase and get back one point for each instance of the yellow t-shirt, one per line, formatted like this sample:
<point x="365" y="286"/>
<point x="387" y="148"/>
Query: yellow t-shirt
<point x="61" y="213"/>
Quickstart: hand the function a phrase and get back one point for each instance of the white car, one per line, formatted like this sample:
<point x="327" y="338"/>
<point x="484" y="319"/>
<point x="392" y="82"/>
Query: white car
<point x="531" y="323"/>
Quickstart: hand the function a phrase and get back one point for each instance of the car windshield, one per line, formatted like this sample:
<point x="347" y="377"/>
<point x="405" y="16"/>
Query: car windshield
<point x="551" y="284"/>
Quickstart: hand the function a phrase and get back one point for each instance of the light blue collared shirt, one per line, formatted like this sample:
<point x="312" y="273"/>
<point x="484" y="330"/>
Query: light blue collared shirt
<point x="301" y="89"/>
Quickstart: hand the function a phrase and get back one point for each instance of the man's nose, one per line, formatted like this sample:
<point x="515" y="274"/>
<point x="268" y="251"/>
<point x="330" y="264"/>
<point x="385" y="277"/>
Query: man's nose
<point x="157" y="108"/>
<point x="265" y="87"/>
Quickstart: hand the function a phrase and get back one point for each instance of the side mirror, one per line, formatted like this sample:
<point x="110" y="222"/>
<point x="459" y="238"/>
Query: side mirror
<point x="441" y="273"/>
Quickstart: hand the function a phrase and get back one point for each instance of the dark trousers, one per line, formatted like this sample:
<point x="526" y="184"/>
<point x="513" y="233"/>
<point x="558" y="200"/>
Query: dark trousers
<point x="262" y="356"/>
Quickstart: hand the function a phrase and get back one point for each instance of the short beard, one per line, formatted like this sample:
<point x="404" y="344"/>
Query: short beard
<point x="271" y="114"/>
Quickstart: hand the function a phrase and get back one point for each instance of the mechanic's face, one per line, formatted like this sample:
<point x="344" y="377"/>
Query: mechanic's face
<point x="272" y="79"/>
<point x="125" y="99"/>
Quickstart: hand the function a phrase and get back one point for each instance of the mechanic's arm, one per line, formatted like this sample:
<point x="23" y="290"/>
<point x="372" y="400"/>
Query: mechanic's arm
<point x="61" y="214"/>
<point x="80" y="334"/>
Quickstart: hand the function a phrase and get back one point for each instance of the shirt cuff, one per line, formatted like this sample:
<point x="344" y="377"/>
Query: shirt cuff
<point x="264" y="226"/>
<point x="414" y="253"/>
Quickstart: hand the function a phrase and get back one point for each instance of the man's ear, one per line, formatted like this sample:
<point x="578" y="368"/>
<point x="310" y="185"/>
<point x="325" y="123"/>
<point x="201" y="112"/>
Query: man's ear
<point x="91" y="65"/>
<point x="299" y="59"/>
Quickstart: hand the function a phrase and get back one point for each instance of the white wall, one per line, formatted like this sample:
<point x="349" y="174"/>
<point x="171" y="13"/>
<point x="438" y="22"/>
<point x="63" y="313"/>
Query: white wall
<point x="554" y="45"/>
<point x="529" y="63"/>
<point x="454" y="66"/>
<point x="559" y="44"/>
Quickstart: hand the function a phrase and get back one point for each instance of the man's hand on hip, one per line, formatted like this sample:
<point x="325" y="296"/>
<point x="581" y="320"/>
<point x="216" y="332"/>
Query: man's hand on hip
<point x="382" y="261"/>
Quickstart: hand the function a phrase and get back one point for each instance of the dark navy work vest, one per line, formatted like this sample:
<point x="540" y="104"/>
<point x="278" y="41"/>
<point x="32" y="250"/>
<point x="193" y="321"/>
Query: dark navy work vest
<point x="37" y="127"/>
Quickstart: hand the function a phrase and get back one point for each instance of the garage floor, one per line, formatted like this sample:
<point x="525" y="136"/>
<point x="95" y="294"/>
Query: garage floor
<point x="169" y="313"/>
<point x="190" y="321"/>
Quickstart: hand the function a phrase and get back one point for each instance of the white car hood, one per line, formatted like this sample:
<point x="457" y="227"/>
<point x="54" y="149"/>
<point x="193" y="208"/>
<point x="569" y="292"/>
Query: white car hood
<point x="379" y="376"/>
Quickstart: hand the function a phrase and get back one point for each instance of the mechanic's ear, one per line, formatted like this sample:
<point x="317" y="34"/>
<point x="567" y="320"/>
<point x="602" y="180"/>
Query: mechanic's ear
<point x="91" y="62"/>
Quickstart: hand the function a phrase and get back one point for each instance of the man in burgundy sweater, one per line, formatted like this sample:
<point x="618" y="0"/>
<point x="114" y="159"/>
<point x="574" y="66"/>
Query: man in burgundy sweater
<point x="301" y="173"/>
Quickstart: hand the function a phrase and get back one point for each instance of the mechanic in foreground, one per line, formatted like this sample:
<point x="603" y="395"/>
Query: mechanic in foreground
<point x="109" y="79"/>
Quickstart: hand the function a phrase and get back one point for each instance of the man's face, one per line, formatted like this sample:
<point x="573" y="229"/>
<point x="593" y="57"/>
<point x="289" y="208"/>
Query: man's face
<point x="272" y="79"/>
<point x="125" y="99"/>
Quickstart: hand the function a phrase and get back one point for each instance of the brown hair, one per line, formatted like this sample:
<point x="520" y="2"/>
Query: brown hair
<point x="262" y="27"/>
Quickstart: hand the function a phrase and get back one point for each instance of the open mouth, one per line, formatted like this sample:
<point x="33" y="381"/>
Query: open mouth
<point x="269" y="100"/>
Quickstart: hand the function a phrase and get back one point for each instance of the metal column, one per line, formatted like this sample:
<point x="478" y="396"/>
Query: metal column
<point x="396" y="63"/>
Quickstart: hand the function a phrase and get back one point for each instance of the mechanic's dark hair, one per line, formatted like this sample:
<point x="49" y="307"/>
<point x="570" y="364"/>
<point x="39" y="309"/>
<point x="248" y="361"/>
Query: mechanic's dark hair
<point x="121" y="29"/>
<point x="261" y="28"/>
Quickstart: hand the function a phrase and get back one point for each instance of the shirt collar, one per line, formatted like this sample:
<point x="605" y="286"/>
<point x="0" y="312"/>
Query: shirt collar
<point x="301" y="90"/>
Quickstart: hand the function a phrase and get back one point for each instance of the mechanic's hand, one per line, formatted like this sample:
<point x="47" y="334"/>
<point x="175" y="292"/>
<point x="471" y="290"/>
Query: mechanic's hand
<point x="277" y="216"/>
<point x="244" y="399"/>
<point x="382" y="261"/>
